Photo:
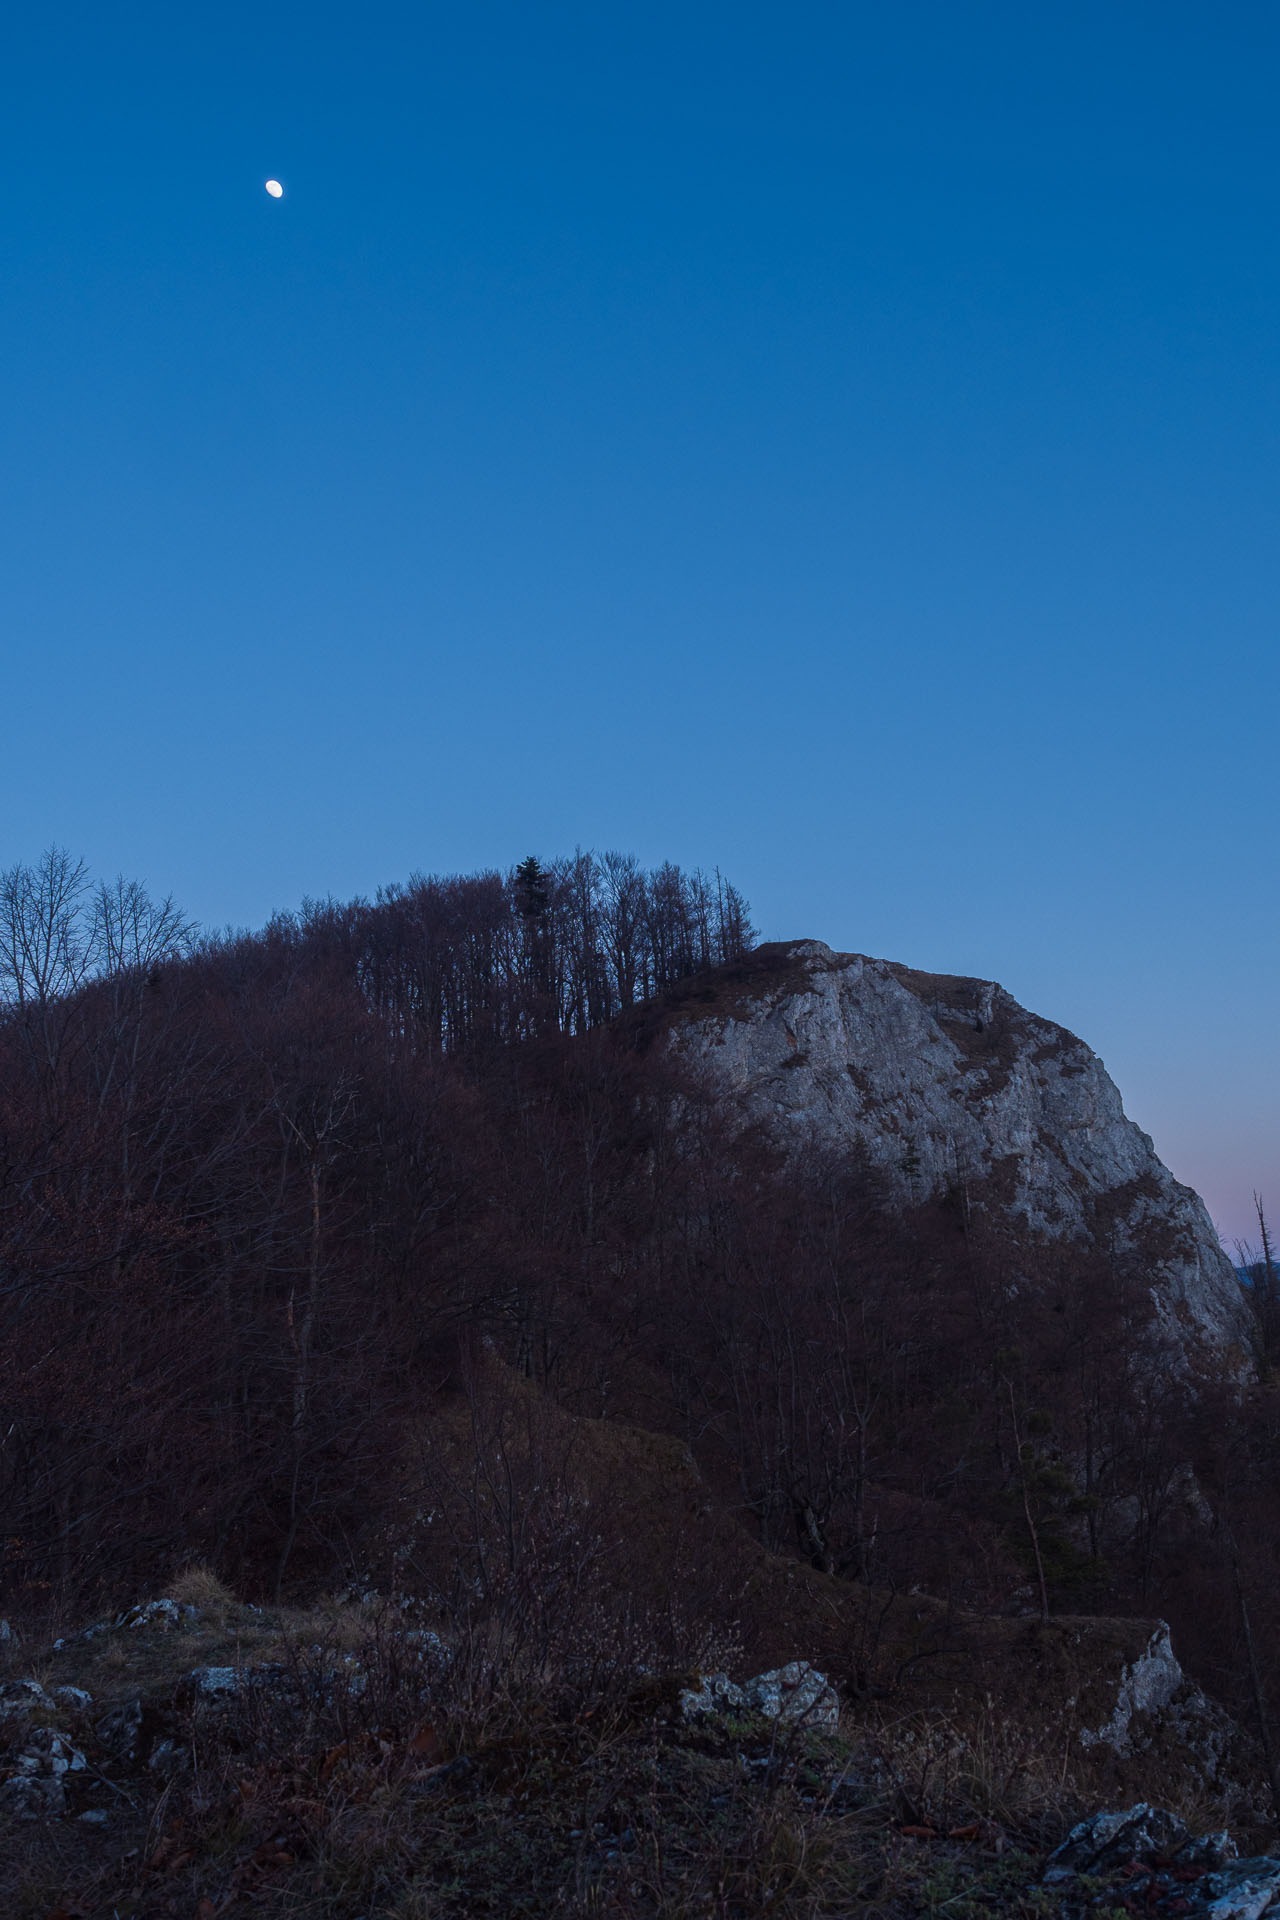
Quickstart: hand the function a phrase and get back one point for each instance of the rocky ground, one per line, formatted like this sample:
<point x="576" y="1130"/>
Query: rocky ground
<point x="198" y="1758"/>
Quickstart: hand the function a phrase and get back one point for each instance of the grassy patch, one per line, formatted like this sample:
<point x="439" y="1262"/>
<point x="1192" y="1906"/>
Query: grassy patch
<point x="368" y="1772"/>
<point x="372" y="1775"/>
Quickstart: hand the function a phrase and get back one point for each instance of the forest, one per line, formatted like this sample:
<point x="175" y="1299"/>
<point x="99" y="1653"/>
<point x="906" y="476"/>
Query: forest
<point x="374" y="1243"/>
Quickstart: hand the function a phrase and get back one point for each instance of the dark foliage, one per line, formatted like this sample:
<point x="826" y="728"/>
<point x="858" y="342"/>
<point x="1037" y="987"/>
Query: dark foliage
<point x="396" y="1208"/>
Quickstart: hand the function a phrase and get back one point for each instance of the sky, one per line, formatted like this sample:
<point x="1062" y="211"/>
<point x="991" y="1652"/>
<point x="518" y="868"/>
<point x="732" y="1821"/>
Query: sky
<point x="834" y="443"/>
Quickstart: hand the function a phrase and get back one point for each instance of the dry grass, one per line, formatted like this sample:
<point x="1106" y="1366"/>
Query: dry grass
<point x="381" y="1774"/>
<point x="941" y="1773"/>
<point x="197" y="1585"/>
<point x="397" y="1785"/>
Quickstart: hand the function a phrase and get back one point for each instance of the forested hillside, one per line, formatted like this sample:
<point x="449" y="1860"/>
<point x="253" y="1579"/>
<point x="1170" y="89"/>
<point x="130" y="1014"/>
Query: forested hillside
<point x="392" y="1241"/>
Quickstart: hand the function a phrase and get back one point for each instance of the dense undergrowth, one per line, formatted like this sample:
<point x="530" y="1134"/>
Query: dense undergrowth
<point x="372" y="1773"/>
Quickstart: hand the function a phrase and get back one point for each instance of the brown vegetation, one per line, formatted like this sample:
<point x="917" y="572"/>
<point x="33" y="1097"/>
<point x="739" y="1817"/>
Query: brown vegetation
<point x="365" y="1772"/>
<point x="388" y="1240"/>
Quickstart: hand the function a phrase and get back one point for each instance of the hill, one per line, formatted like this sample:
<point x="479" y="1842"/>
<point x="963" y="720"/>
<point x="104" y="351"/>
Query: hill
<point x="534" y="1251"/>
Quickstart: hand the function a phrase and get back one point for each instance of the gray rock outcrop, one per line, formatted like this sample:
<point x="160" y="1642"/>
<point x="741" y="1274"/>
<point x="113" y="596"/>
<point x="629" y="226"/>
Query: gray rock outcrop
<point x="797" y="1692"/>
<point x="1162" y="1719"/>
<point x="1148" y="1685"/>
<point x="949" y="1085"/>
<point x="1154" y="1866"/>
<point x="1107" y="1840"/>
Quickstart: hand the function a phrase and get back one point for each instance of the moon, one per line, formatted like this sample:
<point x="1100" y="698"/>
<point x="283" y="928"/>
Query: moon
<point x="275" y="189"/>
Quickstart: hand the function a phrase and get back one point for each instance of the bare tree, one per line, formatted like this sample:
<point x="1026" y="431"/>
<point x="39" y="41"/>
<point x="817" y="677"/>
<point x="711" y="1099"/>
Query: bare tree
<point x="47" y="951"/>
<point x="47" y="945"/>
<point x="1262" y="1290"/>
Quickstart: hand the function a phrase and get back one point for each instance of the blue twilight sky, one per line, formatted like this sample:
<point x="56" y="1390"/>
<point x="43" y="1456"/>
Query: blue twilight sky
<point x="837" y="442"/>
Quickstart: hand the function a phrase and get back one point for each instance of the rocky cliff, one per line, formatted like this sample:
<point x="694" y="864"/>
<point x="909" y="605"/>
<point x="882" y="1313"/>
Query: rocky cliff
<point x="950" y="1085"/>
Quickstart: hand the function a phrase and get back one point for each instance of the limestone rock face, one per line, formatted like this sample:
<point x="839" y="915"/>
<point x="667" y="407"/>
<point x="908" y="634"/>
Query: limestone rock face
<point x="1149" y="1685"/>
<point x="948" y="1084"/>
<point x="1157" y="1709"/>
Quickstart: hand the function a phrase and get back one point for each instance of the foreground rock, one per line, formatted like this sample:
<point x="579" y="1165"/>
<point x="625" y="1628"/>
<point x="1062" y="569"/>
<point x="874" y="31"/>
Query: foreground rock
<point x="1156" y="1705"/>
<point x="21" y="1698"/>
<point x="796" y="1693"/>
<point x="35" y="1787"/>
<point x="164" y="1613"/>
<point x="1109" y="1840"/>
<point x="1161" y="1869"/>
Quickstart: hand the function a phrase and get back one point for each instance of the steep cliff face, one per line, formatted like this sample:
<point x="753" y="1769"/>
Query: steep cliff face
<point x="950" y="1084"/>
